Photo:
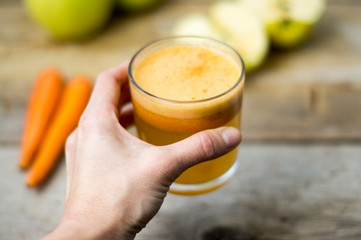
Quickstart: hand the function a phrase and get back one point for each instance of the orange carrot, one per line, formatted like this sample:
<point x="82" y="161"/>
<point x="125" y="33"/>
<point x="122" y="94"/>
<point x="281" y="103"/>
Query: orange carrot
<point x="43" y="101"/>
<point x="72" y="105"/>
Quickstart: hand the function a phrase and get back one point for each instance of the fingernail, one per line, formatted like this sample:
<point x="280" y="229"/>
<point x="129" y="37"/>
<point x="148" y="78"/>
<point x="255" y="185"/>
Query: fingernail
<point x="231" y="136"/>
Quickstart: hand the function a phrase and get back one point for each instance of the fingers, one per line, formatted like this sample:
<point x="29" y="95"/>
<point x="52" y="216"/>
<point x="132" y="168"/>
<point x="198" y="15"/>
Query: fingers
<point x="107" y="91"/>
<point x="201" y="147"/>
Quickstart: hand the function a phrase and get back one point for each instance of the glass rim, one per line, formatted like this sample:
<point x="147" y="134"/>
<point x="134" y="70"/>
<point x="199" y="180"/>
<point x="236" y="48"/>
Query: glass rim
<point x="132" y="80"/>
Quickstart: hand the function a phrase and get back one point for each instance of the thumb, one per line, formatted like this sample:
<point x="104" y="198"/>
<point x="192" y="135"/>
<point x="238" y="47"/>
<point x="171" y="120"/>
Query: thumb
<point x="200" y="147"/>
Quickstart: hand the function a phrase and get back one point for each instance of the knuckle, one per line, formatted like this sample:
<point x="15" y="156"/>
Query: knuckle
<point x="107" y="77"/>
<point x="104" y="75"/>
<point x="70" y="142"/>
<point x="97" y="122"/>
<point x="85" y="122"/>
<point x="208" y="145"/>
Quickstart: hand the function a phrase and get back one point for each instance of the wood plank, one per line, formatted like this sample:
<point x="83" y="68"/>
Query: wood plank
<point x="319" y="113"/>
<point x="27" y="213"/>
<point x="11" y="124"/>
<point x="280" y="191"/>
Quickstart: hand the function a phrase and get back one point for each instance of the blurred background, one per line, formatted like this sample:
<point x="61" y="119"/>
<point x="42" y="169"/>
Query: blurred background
<point x="317" y="76"/>
<point x="301" y="110"/>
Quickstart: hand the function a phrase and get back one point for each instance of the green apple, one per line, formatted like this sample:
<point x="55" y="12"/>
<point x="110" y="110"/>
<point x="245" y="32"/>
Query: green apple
<point x="288" y="34"/>
<point x="288" y="22"/>
<point x="137" y="5"/>
<point x="70" y="19"/>
<point x="243" y="30"/>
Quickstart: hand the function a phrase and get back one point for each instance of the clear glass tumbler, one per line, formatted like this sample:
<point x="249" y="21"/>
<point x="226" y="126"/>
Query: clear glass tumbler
<point x="164" y="120"/>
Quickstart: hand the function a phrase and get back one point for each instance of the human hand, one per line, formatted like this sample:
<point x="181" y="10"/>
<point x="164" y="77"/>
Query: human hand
<point x="116" y="183"/>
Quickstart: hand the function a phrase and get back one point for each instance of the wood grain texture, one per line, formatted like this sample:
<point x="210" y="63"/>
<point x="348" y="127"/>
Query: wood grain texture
<point x="280" y="192"/>
<point x="27" y="213"/>
<point x="285" y="189"/>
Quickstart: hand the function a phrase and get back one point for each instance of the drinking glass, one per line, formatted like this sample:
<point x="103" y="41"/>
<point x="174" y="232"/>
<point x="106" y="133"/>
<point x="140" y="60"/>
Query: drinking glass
<point x="162" y="121"/>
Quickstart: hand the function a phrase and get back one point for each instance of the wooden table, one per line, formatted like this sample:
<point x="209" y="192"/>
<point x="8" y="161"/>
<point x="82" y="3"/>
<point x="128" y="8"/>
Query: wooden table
<point x="300" y="161"/>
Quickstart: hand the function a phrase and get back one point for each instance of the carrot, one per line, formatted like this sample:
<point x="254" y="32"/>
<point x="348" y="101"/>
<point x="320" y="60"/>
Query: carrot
<point x="42" y="103"/>
<point x="71" y="107"/>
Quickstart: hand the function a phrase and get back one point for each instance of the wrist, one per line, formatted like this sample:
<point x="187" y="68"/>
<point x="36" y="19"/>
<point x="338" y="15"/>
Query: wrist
<point x="70" y="228"/>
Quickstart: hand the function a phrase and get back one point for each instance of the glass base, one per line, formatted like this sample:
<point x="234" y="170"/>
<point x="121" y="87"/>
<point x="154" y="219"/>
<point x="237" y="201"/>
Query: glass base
<point x="200" y="188"/>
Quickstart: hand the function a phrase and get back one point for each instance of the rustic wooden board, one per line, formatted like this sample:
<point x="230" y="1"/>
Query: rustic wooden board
<point x="322" y="113"/>
<point x="313" y="93"/>
<point x="317" y="113"/>
<point x="280" y="192"/>
<point x="25" y="213"/>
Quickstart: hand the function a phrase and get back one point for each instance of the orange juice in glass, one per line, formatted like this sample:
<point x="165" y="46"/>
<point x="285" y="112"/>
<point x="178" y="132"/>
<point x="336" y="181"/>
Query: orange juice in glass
<point x="183" y="85"/>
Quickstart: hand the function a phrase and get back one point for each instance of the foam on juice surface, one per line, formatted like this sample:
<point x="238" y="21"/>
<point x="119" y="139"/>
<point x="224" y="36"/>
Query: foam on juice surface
<point x="186" y="73"/>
